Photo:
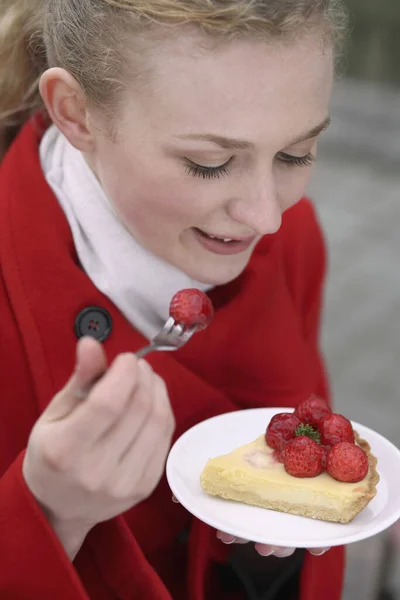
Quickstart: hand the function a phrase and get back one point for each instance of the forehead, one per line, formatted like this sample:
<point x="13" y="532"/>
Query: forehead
<point x="243" y="87"/>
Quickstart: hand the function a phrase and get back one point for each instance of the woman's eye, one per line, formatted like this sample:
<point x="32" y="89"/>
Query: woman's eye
<point x="296" y="161"/>
<point x="207" y="172"/>
<point x="204" y="172"/>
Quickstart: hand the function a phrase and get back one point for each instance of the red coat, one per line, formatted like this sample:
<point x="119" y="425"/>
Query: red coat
<point x="261" y="350"/>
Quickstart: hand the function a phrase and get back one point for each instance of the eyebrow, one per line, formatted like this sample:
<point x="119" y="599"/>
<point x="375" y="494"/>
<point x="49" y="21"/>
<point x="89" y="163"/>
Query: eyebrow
<point x="231" y="143"/>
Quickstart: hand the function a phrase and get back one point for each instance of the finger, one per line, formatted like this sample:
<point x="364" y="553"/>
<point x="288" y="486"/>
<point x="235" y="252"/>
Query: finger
<point x="318" y="551"/>
<point x="144" y="465"/>
<point x="106" y="452"/>
<point x="117" y="441"/>
<point x="156" y="465"/>
<point x="91" y="363"/>
<point x="278" y="551"/>
<point x="227" y="538"/>
<point x="175" y="500"/>
<point x="106" y="402"/>
<point x="145" y="460"/>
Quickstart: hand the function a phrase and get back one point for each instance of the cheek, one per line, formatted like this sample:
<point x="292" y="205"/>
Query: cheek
<point x="154" y="205"/>
<point x="162" y="201"/>
<point x="292" y="186"/>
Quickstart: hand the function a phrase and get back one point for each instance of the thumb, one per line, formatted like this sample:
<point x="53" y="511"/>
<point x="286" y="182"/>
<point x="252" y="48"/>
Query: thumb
<point x="91" y="364"/>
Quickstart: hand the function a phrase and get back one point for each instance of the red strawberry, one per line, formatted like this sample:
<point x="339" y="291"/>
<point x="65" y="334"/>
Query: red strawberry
<point x="336" y="428"/>
<point x="312" y="410"/>
<point x="281" y="429"/>
<point x="347" y="462"/>
<point x="191" y="307"/>
<point x="304" y="457"/>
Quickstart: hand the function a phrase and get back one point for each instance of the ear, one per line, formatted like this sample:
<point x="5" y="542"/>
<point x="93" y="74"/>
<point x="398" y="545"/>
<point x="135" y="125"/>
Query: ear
<point x="66" y="104"/>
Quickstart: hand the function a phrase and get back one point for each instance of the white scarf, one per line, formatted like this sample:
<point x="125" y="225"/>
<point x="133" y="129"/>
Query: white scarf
<point x="137" y="282"/>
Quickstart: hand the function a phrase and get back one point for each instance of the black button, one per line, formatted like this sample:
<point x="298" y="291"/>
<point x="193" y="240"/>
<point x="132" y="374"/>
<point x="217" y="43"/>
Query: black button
<point x="95" y="322"/>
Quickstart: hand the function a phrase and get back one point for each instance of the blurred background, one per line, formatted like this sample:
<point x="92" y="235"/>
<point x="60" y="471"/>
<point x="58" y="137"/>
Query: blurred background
<point x="356" y="189"/>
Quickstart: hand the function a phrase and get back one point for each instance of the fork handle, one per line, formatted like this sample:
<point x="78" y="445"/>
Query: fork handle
<point x="146" y="350"/>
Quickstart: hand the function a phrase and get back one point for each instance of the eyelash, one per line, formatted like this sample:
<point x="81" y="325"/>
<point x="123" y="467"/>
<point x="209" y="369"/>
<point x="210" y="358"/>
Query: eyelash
<point x="208" y="172"/>
<point x="216" y="172"/>
<point x="296" y="161"/>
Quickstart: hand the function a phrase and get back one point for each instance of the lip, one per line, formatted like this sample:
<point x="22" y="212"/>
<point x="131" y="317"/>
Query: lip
<point x="237" y="246"/>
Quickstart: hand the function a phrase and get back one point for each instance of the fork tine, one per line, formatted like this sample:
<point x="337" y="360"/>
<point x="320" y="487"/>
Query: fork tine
<point x="179" y="329"/>
<point x="170" y="324"/>
<point x="187" y="334"/>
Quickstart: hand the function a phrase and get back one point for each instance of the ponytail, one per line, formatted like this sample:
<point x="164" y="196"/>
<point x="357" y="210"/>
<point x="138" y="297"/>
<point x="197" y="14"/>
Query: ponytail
<point x="22" y="60"/>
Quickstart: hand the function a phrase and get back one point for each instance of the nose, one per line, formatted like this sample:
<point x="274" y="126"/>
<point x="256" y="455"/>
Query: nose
<point x="257" y="206"/>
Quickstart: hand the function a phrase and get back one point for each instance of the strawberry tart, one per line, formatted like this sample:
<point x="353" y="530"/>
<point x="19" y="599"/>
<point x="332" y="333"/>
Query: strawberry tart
<point x="309" y="462"/>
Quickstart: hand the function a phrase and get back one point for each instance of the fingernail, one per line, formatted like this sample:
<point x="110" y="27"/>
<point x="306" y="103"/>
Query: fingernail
<point x="77" y="365"/>
<point x="285" y="554"/>
<point x="225" y="538"/>
<point x="265" y="552"/>
<point x="175" y="500"/>
<point x="319" y="552"/>
<point x="282" y="552"/>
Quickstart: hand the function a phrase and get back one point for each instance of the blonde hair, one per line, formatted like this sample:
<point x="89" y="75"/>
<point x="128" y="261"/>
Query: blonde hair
<point x="91" y="38"/>
<point x="21" y="59"/>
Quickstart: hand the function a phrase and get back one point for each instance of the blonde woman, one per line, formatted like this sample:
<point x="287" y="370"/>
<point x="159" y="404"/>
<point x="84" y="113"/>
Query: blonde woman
<point x="169" y="144"/>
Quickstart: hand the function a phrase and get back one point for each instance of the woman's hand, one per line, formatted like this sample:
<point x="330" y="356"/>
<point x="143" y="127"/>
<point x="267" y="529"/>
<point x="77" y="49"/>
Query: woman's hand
<point x="265" y="550"/>
<point x="88" y="461"/>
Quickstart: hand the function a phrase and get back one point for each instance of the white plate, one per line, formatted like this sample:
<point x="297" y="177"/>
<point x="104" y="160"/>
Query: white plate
<point x="223" y="434"/>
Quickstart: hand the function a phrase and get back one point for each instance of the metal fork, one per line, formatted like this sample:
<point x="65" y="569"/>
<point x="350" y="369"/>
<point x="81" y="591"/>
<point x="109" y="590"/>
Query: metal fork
<point x="171" y="337"/>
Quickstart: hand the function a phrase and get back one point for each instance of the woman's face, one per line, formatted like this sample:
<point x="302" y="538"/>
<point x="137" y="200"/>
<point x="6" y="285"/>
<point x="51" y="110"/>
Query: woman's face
<point x="215" y="148"/>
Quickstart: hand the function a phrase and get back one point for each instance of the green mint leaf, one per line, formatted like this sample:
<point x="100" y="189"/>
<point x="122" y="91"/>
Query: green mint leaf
<point x="308" y="431"/>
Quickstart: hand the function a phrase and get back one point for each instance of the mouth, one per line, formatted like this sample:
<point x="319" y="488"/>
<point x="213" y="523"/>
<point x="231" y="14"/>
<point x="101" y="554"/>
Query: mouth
<point x="223" y="244"/>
